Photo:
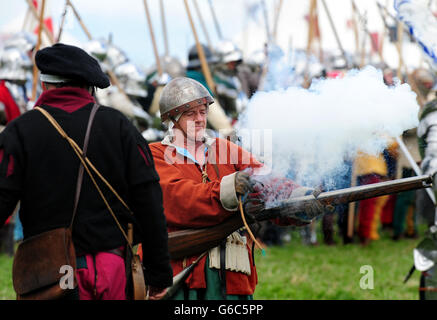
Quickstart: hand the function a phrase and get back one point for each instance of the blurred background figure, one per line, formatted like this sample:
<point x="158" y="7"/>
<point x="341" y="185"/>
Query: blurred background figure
<point x="229" y="88"/>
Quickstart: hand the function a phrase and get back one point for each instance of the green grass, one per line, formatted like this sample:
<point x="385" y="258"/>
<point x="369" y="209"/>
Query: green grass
<point x="6" y="289"/>
<point x="297" y="272"/>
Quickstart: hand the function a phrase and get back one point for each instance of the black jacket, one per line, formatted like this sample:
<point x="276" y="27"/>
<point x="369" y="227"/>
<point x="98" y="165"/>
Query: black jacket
<point x="39" y="168"/>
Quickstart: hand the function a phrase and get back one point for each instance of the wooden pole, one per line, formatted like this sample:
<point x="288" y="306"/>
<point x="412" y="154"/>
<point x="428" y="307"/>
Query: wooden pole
<point x="61" y="26"/>
<point x="310" y="26"/>
<point x="355" y="29"/>
<point x="318" y="33"/>
<point x="375" y="43"/>
<point x="152" y="37"/>
<point x="334" y="30"/>
<point x="311" y="33"/>
<point x="400" y="34"/>
<point x="26" y="19"/>
<point x="44" y="27"/>
<point x="266" y="21"/>
<point x="202" y="25"/>
<point x="84" y="28"/>
<point x="214" y="17"/>
<point x="38" y="44"/>
<point x="164" y="27"/>
<point x="276" y="22"/>
<point x="111" y="74"/>
<point x="203" y="63"/>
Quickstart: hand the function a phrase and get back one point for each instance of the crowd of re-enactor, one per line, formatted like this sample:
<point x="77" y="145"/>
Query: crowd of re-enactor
<point x="236" y="80"/>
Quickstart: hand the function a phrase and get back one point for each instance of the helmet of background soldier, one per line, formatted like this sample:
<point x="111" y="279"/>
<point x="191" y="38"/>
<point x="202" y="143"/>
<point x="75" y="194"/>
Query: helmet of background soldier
<point x="424" y="80"/>
<point x="228" y="52"/>
<point x="256" y="59"/>
<point x="15" y="65"/>
<point x="132" y="78"/>
<point x="23" y="41"/>
<point x="194" y="60"/>
<point x="97" y="48"/>
<point x="181" y="94"/>
<point x="172" y="66"/>
<point x="115" y="56"/>
<point x="108" y="54"/>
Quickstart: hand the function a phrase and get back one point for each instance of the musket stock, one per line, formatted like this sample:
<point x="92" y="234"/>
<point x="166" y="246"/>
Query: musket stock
<point x="192" y="242"/>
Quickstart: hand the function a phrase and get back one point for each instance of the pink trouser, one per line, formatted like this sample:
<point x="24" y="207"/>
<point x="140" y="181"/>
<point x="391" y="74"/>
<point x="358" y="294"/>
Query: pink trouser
<point x="110" y="281"/>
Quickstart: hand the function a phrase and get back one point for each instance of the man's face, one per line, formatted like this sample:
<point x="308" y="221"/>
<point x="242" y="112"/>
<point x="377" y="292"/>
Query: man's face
<point x="193" y="122"/>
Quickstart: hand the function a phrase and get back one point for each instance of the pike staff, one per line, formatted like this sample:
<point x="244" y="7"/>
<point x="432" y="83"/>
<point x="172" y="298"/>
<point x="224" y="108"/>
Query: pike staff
<point x="61" y="26"/>
<point x="152" y="37"/>
<point x="276" y="23"/>
<point x="164" y="26"/>
<point x="84" y="28"/>
<point x="375" y="43"/>
<point x="214" y="17"/>
<point x="334" y="30"/>
<point x="38" y="44"/>
<point x="202" y="24"/>
<point x="204" y="65"/>
<point x="111" y="74"/>
<point x="266" y="21"/>
<point x="44" y="27"/>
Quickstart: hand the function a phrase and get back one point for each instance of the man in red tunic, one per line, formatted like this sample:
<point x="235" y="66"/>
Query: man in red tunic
<point x="202" y="178"/>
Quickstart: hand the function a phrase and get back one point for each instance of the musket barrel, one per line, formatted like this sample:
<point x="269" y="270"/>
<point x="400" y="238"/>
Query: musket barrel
<point x="342" y="196"/>
<point x="191" y="242"/>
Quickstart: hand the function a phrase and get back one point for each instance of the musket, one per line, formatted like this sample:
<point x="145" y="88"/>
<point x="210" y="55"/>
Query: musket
<point x="190" y="242"/>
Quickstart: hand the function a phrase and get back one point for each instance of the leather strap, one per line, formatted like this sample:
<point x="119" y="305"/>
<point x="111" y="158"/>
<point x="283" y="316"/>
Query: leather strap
<point x="88" y="167"/>
<point x="81" y="168"/>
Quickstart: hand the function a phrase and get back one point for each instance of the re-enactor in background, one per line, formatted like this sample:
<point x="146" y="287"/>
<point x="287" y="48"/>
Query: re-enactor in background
<point x="39" y="168"/>
<point x="202" y="178"/>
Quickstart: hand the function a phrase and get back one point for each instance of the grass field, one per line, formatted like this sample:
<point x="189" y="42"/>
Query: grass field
<point x="298" y="272"/>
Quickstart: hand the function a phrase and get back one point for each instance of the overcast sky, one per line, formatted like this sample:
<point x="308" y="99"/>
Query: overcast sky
<point x="126" y="21"/>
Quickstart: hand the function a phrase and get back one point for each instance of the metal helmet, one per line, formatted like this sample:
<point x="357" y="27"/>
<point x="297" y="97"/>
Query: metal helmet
<point x="132" y="78"/>
<point x="180" y="94"/>
<point x="115" y="56"/>
<point x="172" y="66"/>
<point x="228" y="52"/>
<point x="23" y="41"/>
<point x="97" y="49"/>
<point x="256" y="58"/>
<point x="194" y="60"/>
<point x="15" y="65"/>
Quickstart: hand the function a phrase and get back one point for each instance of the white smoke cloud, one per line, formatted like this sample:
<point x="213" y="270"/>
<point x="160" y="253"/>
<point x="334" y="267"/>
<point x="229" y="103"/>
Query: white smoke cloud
<point x="315" y="129"/>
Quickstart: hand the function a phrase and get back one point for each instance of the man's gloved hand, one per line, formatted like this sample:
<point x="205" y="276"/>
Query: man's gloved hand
<point x="313" y="208"/>
<point x="243" y="183"/>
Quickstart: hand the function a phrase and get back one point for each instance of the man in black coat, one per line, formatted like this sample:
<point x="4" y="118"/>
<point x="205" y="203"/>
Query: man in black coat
<point x="39" y="168"/>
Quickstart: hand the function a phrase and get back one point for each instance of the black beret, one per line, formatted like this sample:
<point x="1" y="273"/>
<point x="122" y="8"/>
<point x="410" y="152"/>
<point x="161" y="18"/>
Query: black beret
<point x="72" y="63"/>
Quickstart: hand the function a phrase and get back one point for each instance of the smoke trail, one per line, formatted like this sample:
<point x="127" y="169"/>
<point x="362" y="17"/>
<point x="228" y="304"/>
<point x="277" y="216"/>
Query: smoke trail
<point x="316" y="131"/>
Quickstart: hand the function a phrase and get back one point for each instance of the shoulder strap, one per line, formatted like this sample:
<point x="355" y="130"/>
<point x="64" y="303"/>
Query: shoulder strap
<point x="81" y="168"/>
<point x="88" y="167"/>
